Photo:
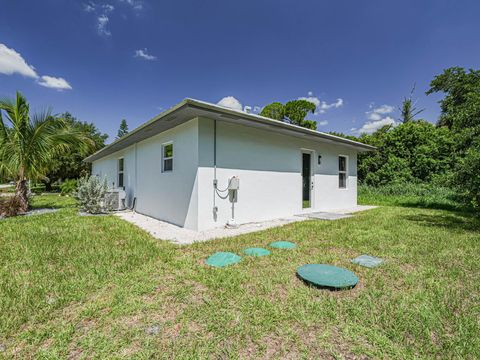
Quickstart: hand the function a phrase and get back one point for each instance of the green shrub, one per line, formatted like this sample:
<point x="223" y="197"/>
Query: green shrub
<point x="467" y="177"/>
<point x="68" y="187"/>
<point x="90" y="194"/>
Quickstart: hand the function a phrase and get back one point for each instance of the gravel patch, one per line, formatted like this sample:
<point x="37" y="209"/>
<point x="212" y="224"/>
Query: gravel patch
<point x="152" y="330"/>
<point x="166" y="231"/>
<point x="83" y="213"/>
<point x="40" y="211"/>
<point x="179" y="235"/>
<point x="35" y="212"/>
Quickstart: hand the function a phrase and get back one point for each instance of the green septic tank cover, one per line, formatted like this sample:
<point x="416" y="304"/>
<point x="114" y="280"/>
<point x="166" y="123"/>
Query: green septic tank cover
<point x="327" y="276"/>
<point x="222" y="259"/>
<point x="256" y="252"/>
<point x="283" y="245"/>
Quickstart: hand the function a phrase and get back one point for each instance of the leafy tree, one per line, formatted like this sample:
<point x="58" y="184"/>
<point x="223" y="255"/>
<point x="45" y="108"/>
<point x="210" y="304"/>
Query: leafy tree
<point x="414" y="151"/>
<point x="408" y="109"/>
<point x="123" y="130"/>
<point x="461" y="105"/>
<point x="461" y="113"/>
<point x="69" y="164"/>
<point x="293" y="112"/>
<point x="274" y="110"/>
<point x="467" y="176"/>
<point x="30" y="141"/>
<point x="297" y="110"/>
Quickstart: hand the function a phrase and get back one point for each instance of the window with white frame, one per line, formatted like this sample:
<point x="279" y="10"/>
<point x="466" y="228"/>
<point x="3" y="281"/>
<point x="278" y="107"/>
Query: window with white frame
<point x="121" y="169"/>
<point x="167" y="157"/>
<point x="342" y="171"/>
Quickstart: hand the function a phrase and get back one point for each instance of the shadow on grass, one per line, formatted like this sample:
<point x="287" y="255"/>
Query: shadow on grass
<point x="416" y="202"/>
<point x="458" y="221"/>
<point x="434" y="206"/>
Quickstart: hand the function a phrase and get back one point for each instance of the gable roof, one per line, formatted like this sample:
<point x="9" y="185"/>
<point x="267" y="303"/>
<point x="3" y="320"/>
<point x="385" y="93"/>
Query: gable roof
<point x="191" y="108"/>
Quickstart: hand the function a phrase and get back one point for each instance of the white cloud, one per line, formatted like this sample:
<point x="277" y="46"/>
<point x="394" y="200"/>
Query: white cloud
<point x="257" y="109"/>
<point x="54" y="83"/>
<point x="371" y="126"/>
<point x="231" y="103"/>
<point x="11" y="62"/>
<point x="376" y="114"/>
<point x="384" y="109"/>
<point x="325" y="106"/>
<point x="313" y="99"/>
<point x="322" y="122"/>
<point x="322" y="106"/>
<point x="102" y="22"/>
<point x="376" y="119"/>
<point x="144" y="54"/>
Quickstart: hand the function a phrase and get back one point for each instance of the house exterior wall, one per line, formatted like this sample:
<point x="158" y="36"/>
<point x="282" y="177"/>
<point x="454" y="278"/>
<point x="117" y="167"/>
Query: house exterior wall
<point x="169" y="196"/>
<point x="268" y="164"/>
<point x="269" y="167"/>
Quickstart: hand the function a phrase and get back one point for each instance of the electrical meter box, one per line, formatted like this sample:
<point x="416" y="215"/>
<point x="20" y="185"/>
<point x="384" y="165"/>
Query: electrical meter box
<point x="234" y="183"/>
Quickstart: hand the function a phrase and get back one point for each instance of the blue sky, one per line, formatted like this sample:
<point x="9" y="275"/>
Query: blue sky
<point x="107" y="60"/>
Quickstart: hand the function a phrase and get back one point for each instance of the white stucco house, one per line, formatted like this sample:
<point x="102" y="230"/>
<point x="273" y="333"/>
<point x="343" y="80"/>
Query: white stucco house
<point x="178" y="167"/>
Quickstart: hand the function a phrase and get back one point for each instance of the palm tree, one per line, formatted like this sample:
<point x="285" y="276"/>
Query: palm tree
<point x="30" y="141"/>
<point x="408" y="109"/>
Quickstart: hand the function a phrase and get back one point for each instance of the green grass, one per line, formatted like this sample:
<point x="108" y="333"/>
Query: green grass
<point x="89" y="287"/>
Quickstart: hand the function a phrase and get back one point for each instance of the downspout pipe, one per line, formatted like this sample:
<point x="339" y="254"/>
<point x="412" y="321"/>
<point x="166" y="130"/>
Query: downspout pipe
<point x="215" y="181"/>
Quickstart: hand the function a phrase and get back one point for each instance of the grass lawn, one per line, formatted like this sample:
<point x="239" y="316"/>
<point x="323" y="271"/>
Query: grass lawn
<point x="97" y="287"/>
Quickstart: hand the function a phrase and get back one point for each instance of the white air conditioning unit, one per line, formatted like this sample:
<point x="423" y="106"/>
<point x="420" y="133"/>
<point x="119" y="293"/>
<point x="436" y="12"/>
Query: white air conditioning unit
<point x="115" y="199"/>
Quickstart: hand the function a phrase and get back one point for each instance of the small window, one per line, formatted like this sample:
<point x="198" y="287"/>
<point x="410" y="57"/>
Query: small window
<point x="167" y="157"/>
<point x="121" y="167"/>
<point x="342" y="172"/>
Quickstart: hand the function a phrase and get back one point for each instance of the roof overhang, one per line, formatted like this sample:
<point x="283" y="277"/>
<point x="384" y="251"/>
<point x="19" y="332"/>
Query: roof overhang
<point x="189" y="109"/>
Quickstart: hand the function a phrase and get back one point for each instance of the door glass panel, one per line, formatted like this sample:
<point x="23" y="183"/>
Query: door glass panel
<point x="306" y="179"/>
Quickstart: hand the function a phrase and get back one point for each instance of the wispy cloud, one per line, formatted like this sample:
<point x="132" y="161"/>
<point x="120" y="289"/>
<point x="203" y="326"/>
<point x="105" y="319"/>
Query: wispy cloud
<point x="100" y="11"/>
<point x="322" y="106"/>
<point x="144" y="54"/>
<point x="11" y="62"/>
<point x="54" y="83"/>
<point x="102" y="22"/>
<point x="322" y="122"/>
<point x="90" y="7"/>
<point x="108" y="7"/>
<point x="135" y="4"/>
<point x="325" y="106"/>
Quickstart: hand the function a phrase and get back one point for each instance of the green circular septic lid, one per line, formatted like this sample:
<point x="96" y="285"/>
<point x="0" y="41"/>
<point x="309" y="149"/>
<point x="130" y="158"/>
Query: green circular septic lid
<point x="327" y="276"/>
<point x="283" y="245"/>
<point x="222" y="259"/>
<point x="256" y="252"/>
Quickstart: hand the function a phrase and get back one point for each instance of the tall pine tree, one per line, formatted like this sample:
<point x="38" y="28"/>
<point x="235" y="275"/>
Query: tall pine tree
<point x="123" y="130"/>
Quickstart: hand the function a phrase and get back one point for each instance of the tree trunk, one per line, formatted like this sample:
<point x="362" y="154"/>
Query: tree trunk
<point x="21" y="192"/>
